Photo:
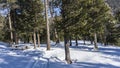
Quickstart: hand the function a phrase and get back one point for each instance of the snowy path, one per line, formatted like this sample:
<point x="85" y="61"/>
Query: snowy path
<point x="37" y="60"/>
<point x="41" y="63"/>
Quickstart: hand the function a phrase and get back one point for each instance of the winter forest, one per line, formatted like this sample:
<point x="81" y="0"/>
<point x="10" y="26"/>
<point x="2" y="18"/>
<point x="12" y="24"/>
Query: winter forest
<point x="59" y="33"/>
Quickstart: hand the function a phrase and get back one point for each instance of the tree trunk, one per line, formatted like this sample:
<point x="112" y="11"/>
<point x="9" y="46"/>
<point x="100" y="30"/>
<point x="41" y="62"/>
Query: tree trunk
<point x="47" y="25"/>
<point x="38" y="37"/>
<point x="76" y="40"/>
<point x="28" y="39"/>
<point x="10" y="26"/>
<point x="101" y="38"/>
<point x="67" y="51"/>
<point x="105" y="42"/>
<point x="34" y="37"/>
<point x="56" y="36"/>
<point x="91" y="40"/>
<point x="55" y="32"/>
<point x="31" y="38"/>
<point x="16" y="38"/>
<point x="84" y="41"/>
<point x="95" y="41"/>
<point x="70" y="41"/>
<point x="105" y="35"/>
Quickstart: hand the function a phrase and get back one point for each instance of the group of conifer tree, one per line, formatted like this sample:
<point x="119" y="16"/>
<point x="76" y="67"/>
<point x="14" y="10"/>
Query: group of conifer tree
<point x="41" y="20"/>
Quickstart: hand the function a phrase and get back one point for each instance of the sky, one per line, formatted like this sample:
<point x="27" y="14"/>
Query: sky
<point x="3" y="12"/>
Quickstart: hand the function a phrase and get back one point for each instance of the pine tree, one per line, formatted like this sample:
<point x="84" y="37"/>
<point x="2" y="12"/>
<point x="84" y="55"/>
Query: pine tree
<point x="67" y="11"/>
<point x="47" y="25"/>
<point x="31" y="18"/>
<point x="2" y="29"/>
<point x="99" y="15"/>
<point x="12" y="6"/>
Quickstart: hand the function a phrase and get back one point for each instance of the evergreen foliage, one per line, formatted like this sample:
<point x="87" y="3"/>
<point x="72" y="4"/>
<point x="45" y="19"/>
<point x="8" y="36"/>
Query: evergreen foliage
<point x="30" y="17"/>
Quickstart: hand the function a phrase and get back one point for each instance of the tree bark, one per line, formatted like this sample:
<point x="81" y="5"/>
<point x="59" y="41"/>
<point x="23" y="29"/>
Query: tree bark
<point x="16" y="38"/>
<point x="67" y="51"/>
<point x="101" y="38"/>
<point x="10" y="26"/>
<point x="47" y="25"/>
<point x="76" y="40"/>
<point x="91" y="40"/>
<point x="56" y="36"/>
<point x="38" y="37"/>
<point x="105" y="35"/>
<point x="70" y="41"/>
<point x="105" y="42"/>
<point x="95" y="41"/>
<point x="28" y="39"/>
<point x="84" y="41"/>
<point x="34" y="37"/>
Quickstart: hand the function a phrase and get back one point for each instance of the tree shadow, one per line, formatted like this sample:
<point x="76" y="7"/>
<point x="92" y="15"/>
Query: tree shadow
<point x="14" y="61"/>
<point x="81" y="65"/>
<point x="82" y="48"/>
<point x="93" y="65"/>
<point x="18" y="58"/>
<point x="113" y="51"/>
<point x="110" y="51"/>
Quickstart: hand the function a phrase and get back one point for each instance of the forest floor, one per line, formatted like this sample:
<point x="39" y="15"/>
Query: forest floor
<point x="82" y="56"/>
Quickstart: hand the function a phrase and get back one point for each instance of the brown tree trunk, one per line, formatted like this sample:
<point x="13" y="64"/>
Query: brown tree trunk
<point x="47" y="25"/>
<point x="84" y="41"/>
<point x="56" y="36"/>
<point x="31" y="38"/>
<point x="95" y="41"/>
<point x="16" y="38"/>
<point x="70" y="41"/>
<point x="91" y="40"/>
<point x="101" y="38"/>
<point x="28" y="39"/>
<point x="67" y="51"/>
<point x="76" y="40"/>
<point x="34" y="37"/>
<point x="10" y="26"/>
<point x="38" y="37"/>
<point x="105" y="35"/>
<point x="105" y="42"/>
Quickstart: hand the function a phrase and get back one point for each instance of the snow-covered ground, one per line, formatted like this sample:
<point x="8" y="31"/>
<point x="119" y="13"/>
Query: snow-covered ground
<point x="83" y="56"/>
